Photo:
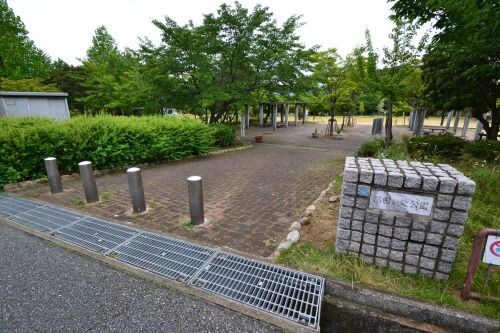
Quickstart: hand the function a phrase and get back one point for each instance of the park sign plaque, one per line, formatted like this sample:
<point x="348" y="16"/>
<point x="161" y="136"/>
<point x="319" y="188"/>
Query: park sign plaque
<point x="401" y="202"/>
<point x="408" y="216"/>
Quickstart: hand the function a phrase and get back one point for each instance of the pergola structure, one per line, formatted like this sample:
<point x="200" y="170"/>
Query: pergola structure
<point x="274" y="106"/>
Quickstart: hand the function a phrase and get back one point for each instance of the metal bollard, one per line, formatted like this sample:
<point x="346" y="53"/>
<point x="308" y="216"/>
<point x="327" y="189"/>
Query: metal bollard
<point x="88" y="180"/>
<point x="136" y="189"/>
<point x="53" y="175"/>
<point x="195" y="193"/>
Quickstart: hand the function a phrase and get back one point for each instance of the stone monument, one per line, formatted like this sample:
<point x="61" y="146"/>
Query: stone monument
<point x="408" y="216"/>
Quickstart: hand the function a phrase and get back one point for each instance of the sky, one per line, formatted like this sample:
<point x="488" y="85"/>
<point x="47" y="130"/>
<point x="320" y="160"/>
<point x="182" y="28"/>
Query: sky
<point x="64" y="28"/>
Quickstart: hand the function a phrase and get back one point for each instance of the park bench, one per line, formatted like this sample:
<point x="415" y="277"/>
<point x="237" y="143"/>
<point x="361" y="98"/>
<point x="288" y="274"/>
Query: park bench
<point x="432" y="130"/>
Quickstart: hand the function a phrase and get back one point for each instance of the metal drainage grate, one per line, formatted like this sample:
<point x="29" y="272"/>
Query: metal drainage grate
<point x="95" y="234"/>
<point x="162" y="255"/>
<point x="289" y="294"/>
<point x="11" y="206"/>
<point x="47" y="218"/>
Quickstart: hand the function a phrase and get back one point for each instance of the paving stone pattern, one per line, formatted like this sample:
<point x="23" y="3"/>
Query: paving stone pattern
<point x="251" y="197"/>
<point x="410" y="243"/>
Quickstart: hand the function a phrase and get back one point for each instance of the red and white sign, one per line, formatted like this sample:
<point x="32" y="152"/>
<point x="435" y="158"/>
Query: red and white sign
<point x="492" y="251"/>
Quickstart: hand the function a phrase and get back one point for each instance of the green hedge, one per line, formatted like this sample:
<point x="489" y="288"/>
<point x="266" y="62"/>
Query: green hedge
<point x="436" y="147"/>
<point x="109" y="142"/>
<point x="441" y="146"/>
<point x="224" y="135"/>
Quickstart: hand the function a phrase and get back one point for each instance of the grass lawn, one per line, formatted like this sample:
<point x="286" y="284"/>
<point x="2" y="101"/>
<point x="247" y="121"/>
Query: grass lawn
<point x="316" y="253"/>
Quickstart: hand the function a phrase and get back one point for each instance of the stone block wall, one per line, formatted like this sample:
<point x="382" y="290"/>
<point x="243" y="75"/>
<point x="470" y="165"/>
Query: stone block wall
<point x="408" y="216"/>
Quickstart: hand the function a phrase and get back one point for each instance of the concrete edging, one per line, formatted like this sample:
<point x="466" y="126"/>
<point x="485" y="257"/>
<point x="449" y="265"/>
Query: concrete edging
<point x="419" y="311"/>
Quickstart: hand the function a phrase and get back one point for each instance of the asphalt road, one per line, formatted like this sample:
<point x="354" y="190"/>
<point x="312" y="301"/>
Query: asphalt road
<point x="44" y="288"/>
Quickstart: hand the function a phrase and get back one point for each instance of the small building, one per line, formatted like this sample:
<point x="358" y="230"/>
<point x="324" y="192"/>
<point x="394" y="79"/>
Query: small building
<point x="29" y="104"/>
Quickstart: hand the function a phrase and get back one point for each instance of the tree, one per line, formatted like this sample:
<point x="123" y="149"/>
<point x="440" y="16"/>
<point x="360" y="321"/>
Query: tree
<point x="111" y="79"/>
<point x="397" y="78"/>
<point x="234" y="57"/>
<point x="19" y="57"/>
<point x="329" y="76"/>
<point x="461" y="65"/>
<point x="69" y="79"/>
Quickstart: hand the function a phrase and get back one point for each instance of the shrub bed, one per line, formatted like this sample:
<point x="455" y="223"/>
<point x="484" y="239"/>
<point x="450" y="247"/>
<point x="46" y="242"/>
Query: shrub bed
<point x="109" y="142"/>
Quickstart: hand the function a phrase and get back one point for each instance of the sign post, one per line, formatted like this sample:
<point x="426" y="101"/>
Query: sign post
<point x="491" y="256"/>
<point x="492" y="250"/>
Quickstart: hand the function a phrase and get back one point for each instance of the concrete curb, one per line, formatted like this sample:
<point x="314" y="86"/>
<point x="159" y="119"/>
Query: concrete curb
<point x="421" y="312"/>
<point x="293" y="235"/>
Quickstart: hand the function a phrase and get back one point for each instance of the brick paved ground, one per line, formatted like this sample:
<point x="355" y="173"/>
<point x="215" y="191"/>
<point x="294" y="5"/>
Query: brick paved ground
<point x="251" y="196"/>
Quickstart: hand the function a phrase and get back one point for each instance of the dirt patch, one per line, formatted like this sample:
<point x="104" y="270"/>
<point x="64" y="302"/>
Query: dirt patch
<point x="321" y="231"/>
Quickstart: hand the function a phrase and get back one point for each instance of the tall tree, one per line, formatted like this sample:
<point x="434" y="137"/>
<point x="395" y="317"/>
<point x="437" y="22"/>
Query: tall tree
<point x="19" y="57"/>
<point x="69" y="79"/>
<point x="234" y="57"/>
<point x="111" y="78"/>
<point x="462" y="63"/>
<point x="401" y="63"/>
<point x="329" y="75"/>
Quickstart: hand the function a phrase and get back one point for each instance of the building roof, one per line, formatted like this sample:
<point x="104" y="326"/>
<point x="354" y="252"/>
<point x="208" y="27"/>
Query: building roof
<point x="32" y="94"/>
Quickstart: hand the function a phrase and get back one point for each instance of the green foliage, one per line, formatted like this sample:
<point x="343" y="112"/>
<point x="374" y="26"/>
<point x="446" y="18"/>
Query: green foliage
<point x="371" y="148"/>
<point x="445" y="147"/>
<point x="69" y="79"/>
<point x="109" y="142"/>
<point x="35" y="85"/>
<point x="224" y="135"/>
<point x="461" y="64"/>
<point x="483" y="150"/>
<point x="235" y="57"/>
<point x="19" y="57"/>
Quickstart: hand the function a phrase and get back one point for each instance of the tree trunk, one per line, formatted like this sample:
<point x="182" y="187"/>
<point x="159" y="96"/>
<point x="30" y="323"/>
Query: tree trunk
<point x="388" y="125"/>
<point x="442" y="117"/>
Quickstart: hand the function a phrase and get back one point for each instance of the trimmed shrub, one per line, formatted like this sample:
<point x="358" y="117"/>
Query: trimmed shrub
<point x="371" y="148"/>
<point x="224" y="135"/>
<point x="441" y="146"/>
<point x="109" y="142"/>
<point x="483" y="150"/>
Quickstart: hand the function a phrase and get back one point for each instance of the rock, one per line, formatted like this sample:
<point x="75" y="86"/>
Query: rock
<point x="9" y="187"/>
<point x="305" y="220"/>
<point x="285" y="245"/>
<point x="295" y="226"/>
<point x="334" y="198"/>
<point x="293" y="236"/>
<point x="310" y="210"/>
<point x="274" y="255"/>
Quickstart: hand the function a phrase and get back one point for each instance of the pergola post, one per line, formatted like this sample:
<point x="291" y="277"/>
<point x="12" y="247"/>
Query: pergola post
<point x="479" y="129"/>
<point x="275" y="114"/>
<point x="466" y="125"/>
<point x="448" y="119"/>
<point x="457" y="120"/>
<point x="304" y="115"/>
<point x="261" y="114"/>
<point x="242" y="126"/>
<point x="286" y="115"/>
<point x="247" y="116"/>
<point x="296" y="114"/>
